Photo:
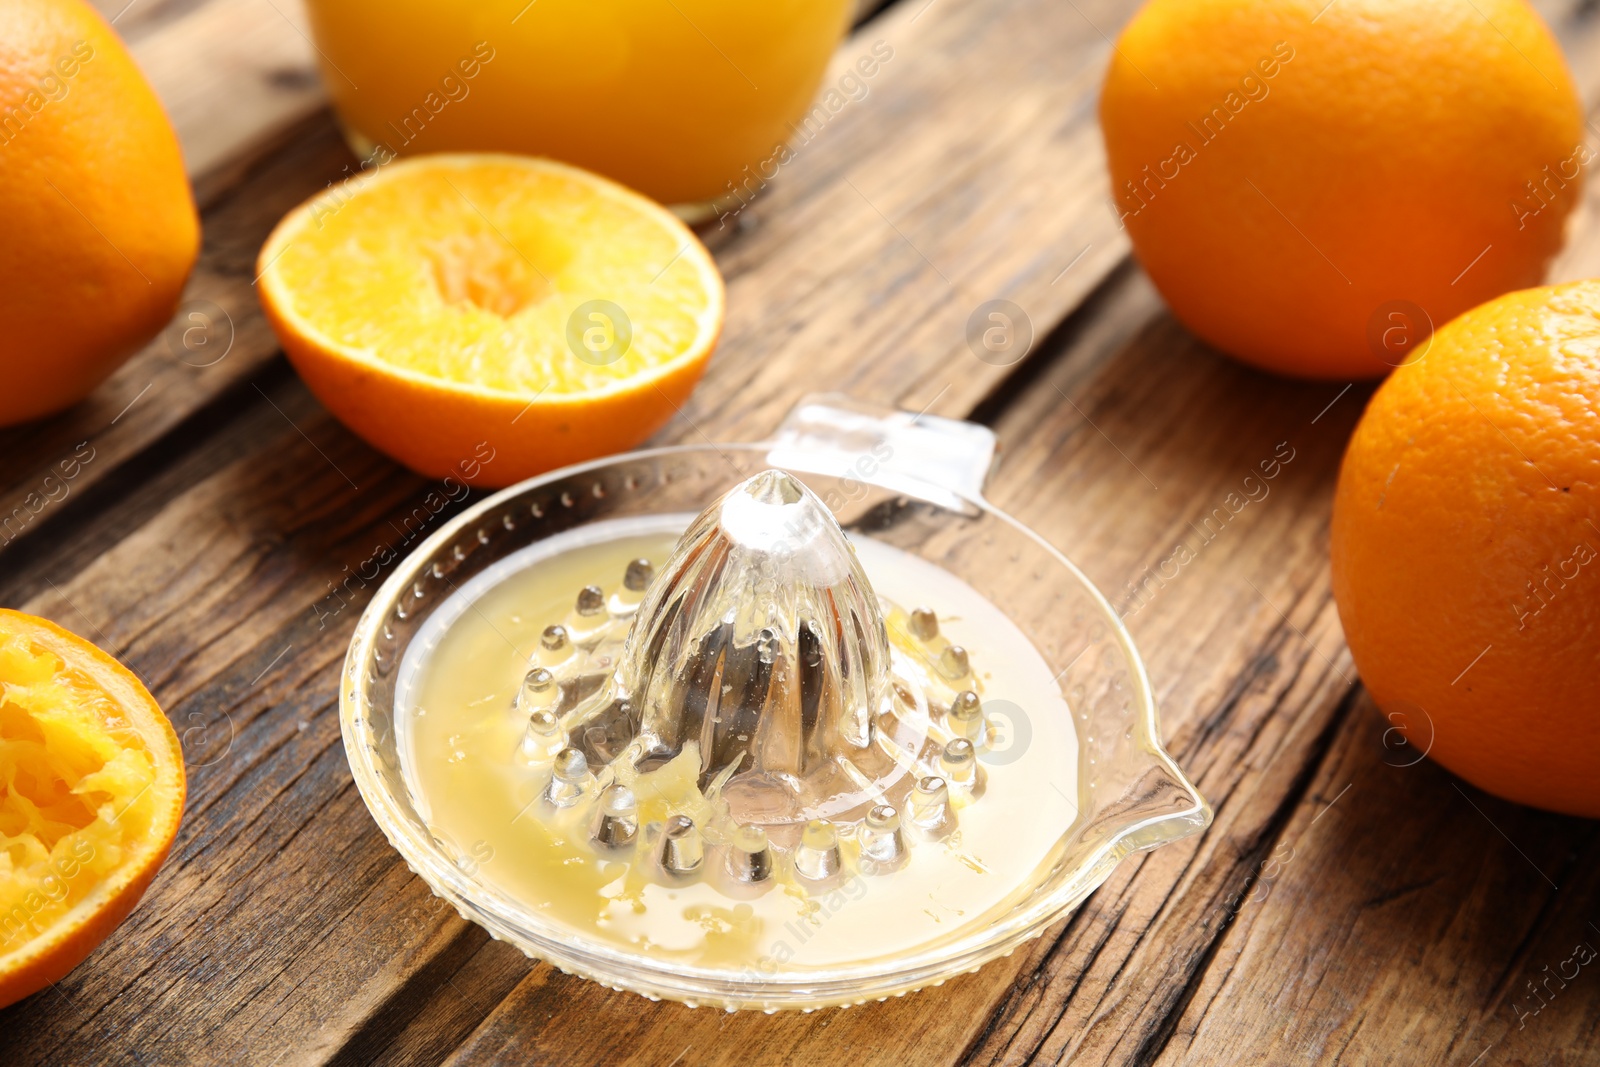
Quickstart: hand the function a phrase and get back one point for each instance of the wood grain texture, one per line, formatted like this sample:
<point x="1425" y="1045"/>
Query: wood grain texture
<point x="204" y="582"/>
<point x="1067" y="475"/>
<point x="238" y="80"/>
<point x="1404" y="924"/>
<point x="235" y="76"/>
<point x="1344" y="907"/>
<point x="163" y="399"/>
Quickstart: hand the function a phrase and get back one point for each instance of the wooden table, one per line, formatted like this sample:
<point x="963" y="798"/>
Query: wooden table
<point x="1347" y="906"/>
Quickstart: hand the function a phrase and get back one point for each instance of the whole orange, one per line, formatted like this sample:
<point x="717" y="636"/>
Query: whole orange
<point x="1466" y="547"/>
<point x="1313" y="185"/>
<point x="100" y="226"/>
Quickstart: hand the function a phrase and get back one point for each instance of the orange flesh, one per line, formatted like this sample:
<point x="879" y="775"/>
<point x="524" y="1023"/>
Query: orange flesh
<point x="474" y="269"/>
<point x="80" y="790"/>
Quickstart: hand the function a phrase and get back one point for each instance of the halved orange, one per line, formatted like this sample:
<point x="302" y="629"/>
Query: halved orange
<point x="91" y="790"/>
<point x="490" y="317"/>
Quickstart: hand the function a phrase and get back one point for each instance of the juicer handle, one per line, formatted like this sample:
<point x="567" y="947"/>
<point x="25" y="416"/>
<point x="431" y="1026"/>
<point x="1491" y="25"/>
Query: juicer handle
<point x="945" y="461"/>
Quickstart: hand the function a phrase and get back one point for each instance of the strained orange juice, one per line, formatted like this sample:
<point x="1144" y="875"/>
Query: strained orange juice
<point x="672" y="97"/>
<point x="466" y="756"/>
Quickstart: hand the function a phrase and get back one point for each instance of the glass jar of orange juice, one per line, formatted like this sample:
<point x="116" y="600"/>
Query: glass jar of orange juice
<point x="675" y="98"/>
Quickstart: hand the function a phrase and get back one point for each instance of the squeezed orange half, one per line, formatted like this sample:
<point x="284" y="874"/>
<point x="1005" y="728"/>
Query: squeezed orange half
<point x="91" y="790"/>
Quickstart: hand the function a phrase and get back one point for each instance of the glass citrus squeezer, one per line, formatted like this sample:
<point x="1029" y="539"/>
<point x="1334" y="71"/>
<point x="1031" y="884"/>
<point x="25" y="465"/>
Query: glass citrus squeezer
<point x="790" y="724"/>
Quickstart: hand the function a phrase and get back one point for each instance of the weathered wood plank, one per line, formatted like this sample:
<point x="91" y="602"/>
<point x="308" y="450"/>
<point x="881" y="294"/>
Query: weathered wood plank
<point x="1406" y="915"/>
<point x="236" y="77"/>
<point x="285" y="927"/>
<point x="1242" y="644"/>
<point x="226" y="955"/>
<point x="1124" y="1004"/>
<point x="992" y="191"/>
<point x="1408" y="924"/>
<point x="1247" y="702"/>
<point x="174" y="379"/>
<point x="444" y="1021"/>
<point x="1400" y="988"/>
<point x="273" y="822"/>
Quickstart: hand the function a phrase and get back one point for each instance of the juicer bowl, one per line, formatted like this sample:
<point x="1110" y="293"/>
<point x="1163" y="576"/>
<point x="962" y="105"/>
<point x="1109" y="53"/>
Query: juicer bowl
<point x="911" y="482"/>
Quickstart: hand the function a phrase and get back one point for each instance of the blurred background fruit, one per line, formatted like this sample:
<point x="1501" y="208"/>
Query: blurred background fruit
<point x="91" y="791"/>
<point x="1466" y="553"/>
<point x="1311" y="184"/>
<point x="100" y="229"/>
<point x="456" y="307"/>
